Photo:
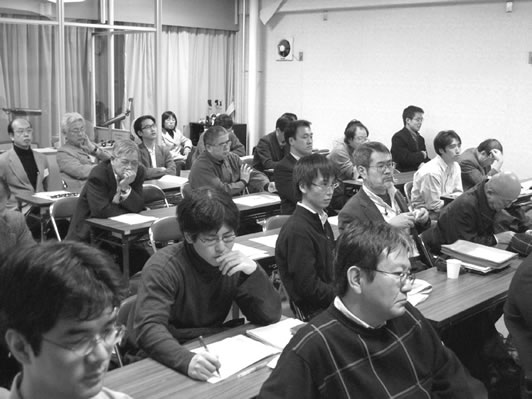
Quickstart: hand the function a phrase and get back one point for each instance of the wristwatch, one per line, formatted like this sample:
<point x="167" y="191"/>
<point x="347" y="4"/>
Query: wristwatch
<point x="243" y="181"/>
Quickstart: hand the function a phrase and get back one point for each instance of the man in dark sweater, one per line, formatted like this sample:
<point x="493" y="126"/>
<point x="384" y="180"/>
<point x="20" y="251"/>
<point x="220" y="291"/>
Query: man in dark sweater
<point x="304" y="248"/>
<point x="187" y="288"/>
<point x="370" y="343"/>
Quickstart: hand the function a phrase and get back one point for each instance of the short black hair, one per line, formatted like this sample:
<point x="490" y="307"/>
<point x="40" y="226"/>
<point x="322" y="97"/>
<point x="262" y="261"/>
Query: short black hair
<point x="445" y="138"/>
<point x="365" y="245"/>
<point x="363" y="153"/>
<point x="292" y="127"/>
<point x="10" y="129"/>
<point x="167" y="115"/>
<point x="205" y="210"/>
<point x="488" y="145"/>
<point x="224" y="121"/>
<point x="351" y="128"/>
<point x="41" y="283"/>
<point x="137" y="126"/>
<point x="282" y="123"/>
<point x="307" y="169"/>
<point x="411" y="111"/>
<point x="212" y="133"/>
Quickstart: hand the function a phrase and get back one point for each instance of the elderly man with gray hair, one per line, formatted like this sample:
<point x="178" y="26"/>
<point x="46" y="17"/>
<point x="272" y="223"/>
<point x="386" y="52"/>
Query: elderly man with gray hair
<point x="79" y="154"/>
<point x="114" y="187"/>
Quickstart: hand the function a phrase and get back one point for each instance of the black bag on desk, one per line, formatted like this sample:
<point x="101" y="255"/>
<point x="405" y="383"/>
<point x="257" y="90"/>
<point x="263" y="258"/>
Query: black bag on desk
<point x="521" y="243"/>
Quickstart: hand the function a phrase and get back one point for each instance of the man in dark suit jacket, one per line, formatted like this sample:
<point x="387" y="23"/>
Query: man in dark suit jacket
<point x="272" y="147"/>
<point x="299" y="136"/>
<point x="114" y="187"/>
<point x="146" y="128"/>
<point x="478" y="163"/>
<point x="408" y="146"/>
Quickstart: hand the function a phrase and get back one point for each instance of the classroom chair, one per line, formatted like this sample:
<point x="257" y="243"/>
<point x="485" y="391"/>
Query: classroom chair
<point x="62" y="209"/>
<point x="408" y="190"/>
<point x="154" y="197"/>
<point x="274" y="222"/>
<point x="121" y="319"/>
<point x="163" y="231"/>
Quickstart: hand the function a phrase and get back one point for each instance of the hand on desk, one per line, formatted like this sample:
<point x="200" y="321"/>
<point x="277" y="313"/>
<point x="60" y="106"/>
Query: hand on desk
<point x="235" y="261"/>
<point x="403" y="220"/>
<point x="203" y="366"/>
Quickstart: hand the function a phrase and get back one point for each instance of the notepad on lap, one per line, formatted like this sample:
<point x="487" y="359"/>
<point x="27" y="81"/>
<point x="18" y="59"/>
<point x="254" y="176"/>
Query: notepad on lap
<point x="277" y="334"/>
<point x="236" y="353"/>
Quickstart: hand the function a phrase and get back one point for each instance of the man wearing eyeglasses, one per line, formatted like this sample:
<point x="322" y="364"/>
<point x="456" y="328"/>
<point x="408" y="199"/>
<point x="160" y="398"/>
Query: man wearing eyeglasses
<point x="187" y="289"/>
<point x="408" y="145"/>
<point x="25" y="170"/>
<point x="58" y="307"/>
<point x="304" y="248"/>
<point x="79" y="155"/>
<point x="155" y="158"/>
<point x="114" y="187"/>
<point x="370" y="342"/>
<point x="219" y="168"/>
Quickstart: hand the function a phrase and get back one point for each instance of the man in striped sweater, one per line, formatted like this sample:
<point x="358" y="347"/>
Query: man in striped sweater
<point x="370" y="343"/>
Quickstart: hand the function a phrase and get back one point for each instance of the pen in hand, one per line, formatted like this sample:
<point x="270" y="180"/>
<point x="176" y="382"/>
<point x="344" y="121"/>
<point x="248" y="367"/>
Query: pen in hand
<point x="202" y="342"/>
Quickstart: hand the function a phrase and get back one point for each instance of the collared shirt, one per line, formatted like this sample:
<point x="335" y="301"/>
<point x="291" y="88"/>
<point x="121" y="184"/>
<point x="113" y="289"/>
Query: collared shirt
<point x="153" y="159"/>
<point x="388" y="212"/>
<point x="295" y="156"/>
<point x="434" y="179"/>
<point x="322" y="215"/>
<point x="338" y="304"/>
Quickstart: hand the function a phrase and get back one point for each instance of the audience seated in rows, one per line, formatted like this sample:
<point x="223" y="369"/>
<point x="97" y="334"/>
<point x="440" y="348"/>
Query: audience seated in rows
<point x="478" y="163"/>
<point x="114" y="187"/>
<point x="175" y="141"/>
<point x="58" y="309"/>
<point x="219" y="168"/>
<point x="225" y="121"/>
<point x="298" y="136"/>
<point x="25" y="170"/>
<point x="272" y="147"/>
<point x="439" y="176"/>
<point x="187" y="288"/>
<point x="155" y="158"/>
<point x="14" y="232"/>
<point x="79" y="155"/>
<point x="305" y="246"/>
<point x="408" y="145"/>
<point x="370" y="342"/>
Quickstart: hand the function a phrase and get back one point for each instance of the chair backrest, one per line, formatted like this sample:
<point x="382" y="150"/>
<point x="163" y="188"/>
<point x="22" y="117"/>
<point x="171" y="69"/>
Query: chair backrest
<point x="275" y="222"/>
<point x="121" y="319"/>
<point x="186" y="190"/>
<point x="165" y="230"/>
<point x="408" y="190"/>
<point x="62" y="209"/>
<point x="154" y="196"/>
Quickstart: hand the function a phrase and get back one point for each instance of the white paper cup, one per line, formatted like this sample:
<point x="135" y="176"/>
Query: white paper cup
<point x="453" y="268"/>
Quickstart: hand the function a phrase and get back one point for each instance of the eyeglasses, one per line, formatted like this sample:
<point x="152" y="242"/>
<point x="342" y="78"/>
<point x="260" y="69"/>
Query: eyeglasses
<point x="152" y="126"/>
<point x="382" y="166"/>
<point x="28" y="130"/>
<point x="127" y="162"/>
<point x="326" y="187"/>
<point x="213" y="240"/>
<point x="221" y="145"/>
<point x="109" y="337"/>
<point x="404" y="277"/>
<point x="418" y="119"/>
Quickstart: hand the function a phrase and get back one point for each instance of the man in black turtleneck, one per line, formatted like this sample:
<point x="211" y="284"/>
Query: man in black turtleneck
<point x="24" y="170"/>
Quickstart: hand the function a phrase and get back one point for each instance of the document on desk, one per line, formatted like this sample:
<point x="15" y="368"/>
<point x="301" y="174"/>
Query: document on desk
<point x="277" y="334"/>
<point x="55" y="195"/>
<point x="420" y="292"/>
<point x="236" y="353"/>
<point x="478" y="254"/>
<point x="177" y="180"/>
<point x="268" y="241"/>
<point x="255" y="200"/>
<point x="250" y="252"/>
<point x="133" y="218"/>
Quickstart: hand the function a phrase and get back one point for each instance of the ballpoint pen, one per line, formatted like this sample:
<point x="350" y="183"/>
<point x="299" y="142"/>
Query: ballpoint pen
<point x="202" y="342"/>
<point x="251" y="370"/>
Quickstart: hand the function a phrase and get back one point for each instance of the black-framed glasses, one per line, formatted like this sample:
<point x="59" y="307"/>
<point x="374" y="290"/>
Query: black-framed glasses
<point x="213" y="240"/>
<point x="109" y="337"/>
<point x="404" y="277"/>
<point x="153" y="125"/>
<point x="221" y="145"/>
<point x="382" y="166"/>
<point x="325" y="187"/>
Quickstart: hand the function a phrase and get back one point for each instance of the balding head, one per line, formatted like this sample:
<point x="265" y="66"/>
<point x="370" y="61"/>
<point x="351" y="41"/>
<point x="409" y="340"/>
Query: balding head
<point x="502" y="189"/>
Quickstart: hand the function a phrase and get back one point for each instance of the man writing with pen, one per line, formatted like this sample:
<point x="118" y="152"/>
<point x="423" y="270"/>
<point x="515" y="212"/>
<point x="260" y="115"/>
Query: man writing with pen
<point x="187" y="288"/>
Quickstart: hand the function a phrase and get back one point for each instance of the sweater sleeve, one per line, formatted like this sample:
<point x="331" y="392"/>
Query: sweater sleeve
<point x="202" y="174"/>
<point x="258" y="299"/>
<point x="72" y="166"/>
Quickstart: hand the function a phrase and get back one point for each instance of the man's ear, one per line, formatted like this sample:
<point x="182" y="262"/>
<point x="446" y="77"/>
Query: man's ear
<point x="303" y="188"/>
<point x="18" y="346"/>
<point x="188" y="238"/>
<point x="353" y="279"/>
<point x="362" y="171"/>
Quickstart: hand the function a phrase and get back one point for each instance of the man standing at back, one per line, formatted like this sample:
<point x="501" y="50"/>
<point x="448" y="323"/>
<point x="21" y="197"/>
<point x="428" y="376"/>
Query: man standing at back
<point x="408" y="146"/>
<point x="272" y="147"/>
<point x="298" y="136"/>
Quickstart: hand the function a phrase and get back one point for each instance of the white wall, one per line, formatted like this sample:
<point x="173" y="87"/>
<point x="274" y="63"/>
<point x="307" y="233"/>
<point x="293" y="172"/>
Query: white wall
<point x="466" y="65"/>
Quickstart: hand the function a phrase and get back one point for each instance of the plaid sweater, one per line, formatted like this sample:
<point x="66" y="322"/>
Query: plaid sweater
<point x="333" y="357"/>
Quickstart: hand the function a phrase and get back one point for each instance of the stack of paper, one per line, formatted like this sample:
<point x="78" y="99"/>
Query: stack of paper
<point x="277" y="335"/>
<point x="477" y="254"/>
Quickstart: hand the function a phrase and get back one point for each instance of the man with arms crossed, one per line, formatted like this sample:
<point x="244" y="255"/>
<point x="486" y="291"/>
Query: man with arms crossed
<point x="58" y="308"/>
<point x="187" y="288"/>
<point x="370" y="342"/>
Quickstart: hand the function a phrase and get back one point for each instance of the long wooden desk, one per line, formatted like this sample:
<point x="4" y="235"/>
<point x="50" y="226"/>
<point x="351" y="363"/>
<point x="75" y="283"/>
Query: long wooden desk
<point x="148" y="379"/>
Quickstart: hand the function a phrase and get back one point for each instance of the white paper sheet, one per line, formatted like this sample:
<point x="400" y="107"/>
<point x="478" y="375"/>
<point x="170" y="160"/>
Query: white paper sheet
<point x="420" y="292"/>
<point x="277" y="334"/>
<point x="255" y="200"/>
<point x="133" y="218"/>
<point x="268" y="241"/>
<point x="250" y="252"/>
<point x="177" y="180"/>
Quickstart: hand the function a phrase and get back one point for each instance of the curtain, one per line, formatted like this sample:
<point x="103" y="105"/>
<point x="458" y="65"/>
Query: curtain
<point x="196" y="64"/>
